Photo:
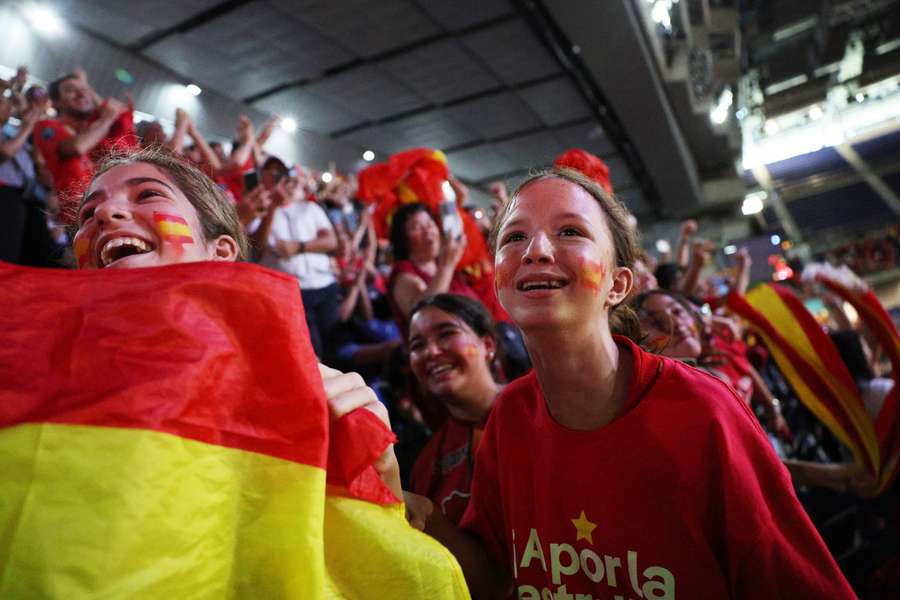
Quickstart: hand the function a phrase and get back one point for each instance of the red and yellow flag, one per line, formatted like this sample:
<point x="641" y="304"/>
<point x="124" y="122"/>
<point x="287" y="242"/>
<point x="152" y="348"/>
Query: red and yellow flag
<point x="812" y="365"/>
<point x="164" y="434"/>
<point x="173" y="228"/>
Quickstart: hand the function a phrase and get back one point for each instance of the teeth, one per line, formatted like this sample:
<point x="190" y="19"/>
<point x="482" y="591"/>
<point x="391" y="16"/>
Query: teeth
<point x="106" y="253"/>
<point x="542" y="285"/>
<point x="441" y="369"/>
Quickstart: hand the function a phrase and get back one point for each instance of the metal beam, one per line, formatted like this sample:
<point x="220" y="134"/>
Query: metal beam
<point x="762" y="175"/>
<point x="201" y="18"/>
<point x="875" y="182"/>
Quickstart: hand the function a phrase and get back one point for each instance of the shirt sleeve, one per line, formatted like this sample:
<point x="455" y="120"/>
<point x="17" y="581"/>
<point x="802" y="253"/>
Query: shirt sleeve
<point x="772" y="549"/>
<point x="484" y="513"/>
<point x="48" y="134"/>
<point x="319" y="217"/>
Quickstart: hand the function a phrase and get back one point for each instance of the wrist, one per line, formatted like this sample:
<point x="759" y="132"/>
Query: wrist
<point x="301" y="249"/>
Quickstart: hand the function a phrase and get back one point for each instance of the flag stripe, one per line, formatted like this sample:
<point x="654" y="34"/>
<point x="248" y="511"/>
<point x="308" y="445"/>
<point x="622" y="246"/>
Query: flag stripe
<point x="177" y="229"/>
<point x="161" y="217"/>
<point x="141" y="514"/>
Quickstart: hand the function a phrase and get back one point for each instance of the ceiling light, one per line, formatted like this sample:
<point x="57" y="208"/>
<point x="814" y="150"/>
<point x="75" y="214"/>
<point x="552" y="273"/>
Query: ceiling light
<point x="730" y="249"/>
<point x="193" y="89"/>
<point x="771" y="127"/>
<point x="860" y="97"/>
<point x="815" y="113"/>
<point x="43" y="18"/>
<point x="289" y="124"/>
<point x="775" y="239"/>
<point x="663" y="247"/>
<point x="753" y="203"/>
<point x="368" y="156"/>
<point x="327" y="177"/>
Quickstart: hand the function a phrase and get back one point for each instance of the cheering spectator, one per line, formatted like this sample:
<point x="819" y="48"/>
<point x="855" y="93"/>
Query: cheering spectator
<point x="87" y="128"/>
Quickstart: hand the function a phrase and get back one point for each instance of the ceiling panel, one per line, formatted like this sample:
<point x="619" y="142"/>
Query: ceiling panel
<point x="378" y="138"/>
<point x="367" y="90"/>
<point x="460" y="14"/>
<point x="536" y="150"/>
<point x="634" y="200"/>
<point x="441" y="72"/>
<point x="619" y="175"/>
<point x="434" y="129"/>
<point x="830" y="209"/>
<point x="310" y="112"/>
<point x="479" y="163"/>
<point x="495" y="115"/>
<point x="556" y="101"/>
<point x="127" y="22"/>
<point x="512" y="52"/>
<point x="588" y="136"/>
<point x="365" y="28"/>
<point x="251" y="49"/>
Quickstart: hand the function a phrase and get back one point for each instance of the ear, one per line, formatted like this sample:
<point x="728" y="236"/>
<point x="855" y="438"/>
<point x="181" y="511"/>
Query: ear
<point x="490" y="346"/>
<point x="224" y="248"/>
<point x="622" y="282"/>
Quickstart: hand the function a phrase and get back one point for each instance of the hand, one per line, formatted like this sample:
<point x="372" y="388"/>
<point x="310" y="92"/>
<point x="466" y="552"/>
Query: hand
<point x="32" y="115"/>
<point x="701" y="250"/>
<point x="418" y="509"/>
<point x="743" y="258"/>
<point x="112" y="108"/>
<point x="18" y="82"/>
<point x="286" y="248"/>
<point x="688" y="228"/>
<point x="181" y="116"/>
<point x="267" y="129"/>
<point x="129" y="102"/>
<point x="780" y="427"/>
<point x="347" y="392"/>
<point x="451" y="252"/>
<point x="498" y="189"/>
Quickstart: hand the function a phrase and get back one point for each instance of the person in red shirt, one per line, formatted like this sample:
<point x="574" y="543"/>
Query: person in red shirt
<point x="87" y="128"/>
<point x="452" y="345"/>
<point x="609" y="472"/>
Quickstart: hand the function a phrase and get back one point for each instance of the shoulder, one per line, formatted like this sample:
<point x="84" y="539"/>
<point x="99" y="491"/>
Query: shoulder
<point x="47" y="131"/>
<point x="517" y="400"/>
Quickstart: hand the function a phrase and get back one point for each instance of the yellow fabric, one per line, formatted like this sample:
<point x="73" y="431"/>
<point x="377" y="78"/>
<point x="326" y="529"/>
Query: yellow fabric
<point x="406" y="194"/>
<point x="768" y="302"/>
<point x="96" y="512"/>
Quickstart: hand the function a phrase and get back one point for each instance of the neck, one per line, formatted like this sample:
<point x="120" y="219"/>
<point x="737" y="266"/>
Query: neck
<point x="426" y="262"/>
<point x="473" y="406"/>
<point x="586" y="385"/>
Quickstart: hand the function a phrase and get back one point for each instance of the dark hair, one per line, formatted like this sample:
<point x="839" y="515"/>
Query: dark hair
<point x="638" y="302"/>
<point x="622" y="319"/>
<point x="472" y="312"/>
<point x="53" y="89"/>
<point x="215" y="211"/>
<point x="399" y="241"/>
<point x="667" y="275"/>
<point x="849" y="346"/>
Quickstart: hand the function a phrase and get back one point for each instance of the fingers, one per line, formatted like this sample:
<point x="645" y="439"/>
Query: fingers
<point x="347" y="392"/>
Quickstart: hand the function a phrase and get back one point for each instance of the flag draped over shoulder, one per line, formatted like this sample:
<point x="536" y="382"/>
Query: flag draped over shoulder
<point x="812" y="365"/>
<point x="164" y="434"/>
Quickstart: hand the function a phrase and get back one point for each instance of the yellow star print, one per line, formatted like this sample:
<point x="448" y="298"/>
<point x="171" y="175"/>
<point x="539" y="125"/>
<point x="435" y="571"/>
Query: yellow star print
<point x="585" y="528"/>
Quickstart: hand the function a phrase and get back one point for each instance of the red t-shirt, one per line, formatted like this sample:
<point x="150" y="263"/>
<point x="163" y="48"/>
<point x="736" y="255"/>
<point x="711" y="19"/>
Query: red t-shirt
<point x="443" y="471"/>
<point x="680" y="493"/>
<point x="70" y="175"/>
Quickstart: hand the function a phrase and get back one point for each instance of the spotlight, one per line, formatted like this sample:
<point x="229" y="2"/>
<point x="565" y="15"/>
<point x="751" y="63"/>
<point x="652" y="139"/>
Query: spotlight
<point x="772" y="127"/>
<point x="775" y="239"/>
<point x="730" y="249"/>
<point x="368" y="156"/>
<point x="327" y="177"/>
<point x="43" y="18"/>
<point x="815" y="113"/>
<point x="663" y="247"/>
<point x="753" y="203"/>
<point x="289" y="124"/>
<point x="193" y="89"/>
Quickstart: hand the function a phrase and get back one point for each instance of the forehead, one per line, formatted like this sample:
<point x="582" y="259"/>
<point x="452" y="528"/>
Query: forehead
<point x="419" y="217"/>
<point x="119" y="175"/>
<point x="552" y="197"/>
<point x="71" y="84"/>
<point x="432" y="317"/>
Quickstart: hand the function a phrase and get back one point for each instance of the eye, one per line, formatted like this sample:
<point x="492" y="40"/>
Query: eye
<point x="415" y="346"/>
<point x="149" y="193"/>
<point x="571" y="232"/>
<point x="512" y="236"/>
<point x="86" y="213"/>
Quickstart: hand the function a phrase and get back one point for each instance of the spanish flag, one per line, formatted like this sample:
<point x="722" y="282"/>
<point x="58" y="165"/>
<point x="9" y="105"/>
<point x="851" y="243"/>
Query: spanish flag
<point x="164" y="434"/>
<point x="812" y="365"/>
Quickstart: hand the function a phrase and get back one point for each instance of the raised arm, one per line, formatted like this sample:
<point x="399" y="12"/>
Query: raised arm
<point x="82" y="143"/>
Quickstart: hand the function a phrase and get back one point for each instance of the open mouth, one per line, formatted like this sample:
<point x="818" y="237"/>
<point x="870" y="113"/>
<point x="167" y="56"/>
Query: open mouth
<point x="549" y="284"/>
<point x="122" y="247"/>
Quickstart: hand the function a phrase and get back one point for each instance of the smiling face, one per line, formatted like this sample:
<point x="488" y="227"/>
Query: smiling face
<point x="76" y="98"/>
<point x="135" y="216"/>
<point x="669" y="327"/>
<point x="448" y="358"/>
<point x="422" y="235"/>
<point x="555" y="260"/>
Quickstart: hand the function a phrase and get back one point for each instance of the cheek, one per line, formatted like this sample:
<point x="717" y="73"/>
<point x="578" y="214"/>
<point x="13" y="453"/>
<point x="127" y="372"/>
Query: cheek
<point x="173" y="230"/>
<point x="590" y="275"/>
<point x="81" y="247"/>
<point x="657" y="343"/>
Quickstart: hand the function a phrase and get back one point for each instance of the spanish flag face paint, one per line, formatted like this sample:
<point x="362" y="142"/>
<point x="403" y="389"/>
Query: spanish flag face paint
<point x="173" y="230"/>
<point x="82" y="248"/>
<point x="591" y="275"/>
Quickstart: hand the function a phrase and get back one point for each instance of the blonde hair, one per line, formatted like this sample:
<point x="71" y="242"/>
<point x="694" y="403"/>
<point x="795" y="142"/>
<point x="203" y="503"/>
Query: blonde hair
<point x="622" y="318"/>
<point x="215" y="211"/>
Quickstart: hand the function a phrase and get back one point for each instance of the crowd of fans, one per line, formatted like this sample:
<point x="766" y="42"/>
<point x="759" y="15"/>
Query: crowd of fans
<point x="433" y="341"/>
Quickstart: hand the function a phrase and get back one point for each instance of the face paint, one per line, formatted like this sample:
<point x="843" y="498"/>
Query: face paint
<point x="173" y="229"/>
<point x="81" y="248"/>
<point x="658" y="343"/>
<point x="502" y="277"/>
<point x="591" y="275"/>
<point x="471" y="351"/>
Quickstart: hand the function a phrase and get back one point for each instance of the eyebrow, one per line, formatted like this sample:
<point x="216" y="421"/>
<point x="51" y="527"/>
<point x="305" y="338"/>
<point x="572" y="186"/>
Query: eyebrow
<point x="130" y="183"/>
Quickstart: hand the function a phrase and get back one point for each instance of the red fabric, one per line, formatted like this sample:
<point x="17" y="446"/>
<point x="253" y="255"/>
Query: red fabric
<point x="587" y="163"/>
<point x="729" y="361"/>
<point x="71" y="175"/>
<point x="234" y="180"/>
<point x="443" y="471"/>
<point x="683" y="489"/>
<point x="214" y="352"/>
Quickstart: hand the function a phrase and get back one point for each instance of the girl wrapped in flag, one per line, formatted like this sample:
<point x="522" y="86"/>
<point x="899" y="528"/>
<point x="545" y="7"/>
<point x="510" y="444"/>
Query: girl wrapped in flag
<point x="169" y="432"/>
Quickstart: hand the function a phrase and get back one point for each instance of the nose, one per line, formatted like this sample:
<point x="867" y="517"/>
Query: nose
<point x="540" y="249"/>
<point x="112" y="209"/>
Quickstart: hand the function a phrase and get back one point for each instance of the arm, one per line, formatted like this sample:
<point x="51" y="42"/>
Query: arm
<point x="10" y="147"/>
<point x="763" y="395"/>
<point x="208" y="155"/>
<point x="682" y="251"/>
<point x="239" y="155"/>
<point x="182" y="121"/>
<point x="324" y="242"/>
<point x="266" y="132"/>
<point x="350" y="299"/>
<point x="742" y="279"/>
<point x="699" y="255"/>
<point x="82" y="143"/>
<point x="409" y="289"/>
